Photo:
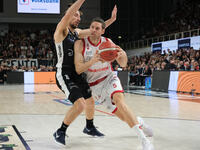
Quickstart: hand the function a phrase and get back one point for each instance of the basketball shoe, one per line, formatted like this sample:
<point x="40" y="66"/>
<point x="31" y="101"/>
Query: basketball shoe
<point x="93" y="132"/>
<point x="145" y="127"/>
<point x="146" y="145"/>
<point x="59" y="137"/>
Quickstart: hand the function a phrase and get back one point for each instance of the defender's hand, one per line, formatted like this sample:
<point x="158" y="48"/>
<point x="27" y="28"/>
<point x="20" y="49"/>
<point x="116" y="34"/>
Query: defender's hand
<point x="114" y="13"/>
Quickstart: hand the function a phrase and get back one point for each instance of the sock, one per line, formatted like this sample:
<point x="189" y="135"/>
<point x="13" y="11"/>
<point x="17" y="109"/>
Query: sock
<point x="89" y="124"/>
<point x="139" y="132"/>
<point x="63" y="127"/>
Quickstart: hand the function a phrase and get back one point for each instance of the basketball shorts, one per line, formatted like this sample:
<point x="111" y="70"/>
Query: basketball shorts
<point x="73" y="85"/>
<point x="103" y="91"/>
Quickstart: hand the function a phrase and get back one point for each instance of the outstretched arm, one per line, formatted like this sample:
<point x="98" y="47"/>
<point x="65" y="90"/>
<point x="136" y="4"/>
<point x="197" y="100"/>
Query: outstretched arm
<point x="113" y="17"/>
<point x="80" y="65"/>
<point x="64" y="23"/>
<point x="86" y="32"/>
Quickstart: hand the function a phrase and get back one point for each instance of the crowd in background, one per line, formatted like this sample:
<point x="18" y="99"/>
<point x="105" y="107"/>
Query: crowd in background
<point x="39" y="45"/>
<point x="143" y="66"/>
<point x="26" y="44"/>
<point x="185" y="18"/>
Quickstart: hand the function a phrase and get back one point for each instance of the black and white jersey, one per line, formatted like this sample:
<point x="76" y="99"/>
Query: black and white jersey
<point x="65" y="52"/>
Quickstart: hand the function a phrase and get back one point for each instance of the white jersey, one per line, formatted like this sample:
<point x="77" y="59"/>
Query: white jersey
<point x="102" y="79"/>
<point x="98" y="70"/>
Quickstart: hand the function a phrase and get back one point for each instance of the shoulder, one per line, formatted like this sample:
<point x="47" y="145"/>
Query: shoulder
<point x="77" y="30"/>
<point x="106" y="39"/>
<point x="59" y="36"/>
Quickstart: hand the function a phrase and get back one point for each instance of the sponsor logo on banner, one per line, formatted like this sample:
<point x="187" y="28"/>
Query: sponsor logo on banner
<point x="23" y="2"/>
<point x="45" y="1"/>
<point x="157" y="47"/>
<point x="184" y="43"/>
<point x="21" y="62"/>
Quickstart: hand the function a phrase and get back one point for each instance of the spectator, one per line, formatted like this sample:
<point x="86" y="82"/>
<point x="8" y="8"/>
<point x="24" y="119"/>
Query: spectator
<point x="1" y="76"/>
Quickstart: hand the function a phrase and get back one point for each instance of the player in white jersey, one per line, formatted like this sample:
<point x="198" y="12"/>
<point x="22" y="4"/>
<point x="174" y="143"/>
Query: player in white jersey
<point x="104" y="83"/>
<point x="100" y="76"/>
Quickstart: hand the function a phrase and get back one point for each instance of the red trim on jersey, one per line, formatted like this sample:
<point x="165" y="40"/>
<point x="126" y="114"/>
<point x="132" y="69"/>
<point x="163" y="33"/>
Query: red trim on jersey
<point x="93" y="43"/>
<point x="114" y="110"/>
<point x="119" y="91"/>
<point x="97" y="81"/>
<point x="98" y="70"/>
<point x="106" y="39"/>
<point x="83" y="47"/>
<point x="111" y="66"/>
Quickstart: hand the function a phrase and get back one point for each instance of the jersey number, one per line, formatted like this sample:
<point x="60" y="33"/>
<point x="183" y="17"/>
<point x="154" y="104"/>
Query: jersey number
<point x="114" y="85"/>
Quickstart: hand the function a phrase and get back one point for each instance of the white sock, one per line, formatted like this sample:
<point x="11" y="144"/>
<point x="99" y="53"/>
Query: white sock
<point x="141" y="122"/>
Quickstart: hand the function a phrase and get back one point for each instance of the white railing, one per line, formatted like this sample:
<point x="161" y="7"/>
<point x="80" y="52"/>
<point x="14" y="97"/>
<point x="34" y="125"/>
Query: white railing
<point x="147" y="42"/>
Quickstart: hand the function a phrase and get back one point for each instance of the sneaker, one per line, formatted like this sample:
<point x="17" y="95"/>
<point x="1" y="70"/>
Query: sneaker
<point x="92" y="132"/>
<point x="145" y="127"/>
<point x="146" y="145"/>
<point x="59" y="137"/>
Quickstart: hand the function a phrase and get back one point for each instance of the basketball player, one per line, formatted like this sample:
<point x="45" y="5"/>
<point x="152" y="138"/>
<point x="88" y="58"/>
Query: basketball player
<point x="105" y="85"/>
<point x="73" y="85"/>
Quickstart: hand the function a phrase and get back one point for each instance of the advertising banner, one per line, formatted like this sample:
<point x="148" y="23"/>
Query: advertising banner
<point x="157" y="47"/>
<point x="38" y="6"/>
<point x="173" y="45"/>
<point x="21" y="62"/>
<point x="184" y="43"/>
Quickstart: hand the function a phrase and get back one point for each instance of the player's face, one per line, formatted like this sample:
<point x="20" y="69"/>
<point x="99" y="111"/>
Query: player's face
<point x="96" y="29"/>
<point x="75" y="20"/>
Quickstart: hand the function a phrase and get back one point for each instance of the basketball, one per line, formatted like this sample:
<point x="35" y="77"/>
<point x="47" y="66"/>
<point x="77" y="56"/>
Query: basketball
<point x="107" y="51"/>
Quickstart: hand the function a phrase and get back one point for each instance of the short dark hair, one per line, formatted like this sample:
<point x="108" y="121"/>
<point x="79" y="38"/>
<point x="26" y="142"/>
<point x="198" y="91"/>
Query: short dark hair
<point x="97" y="19"/>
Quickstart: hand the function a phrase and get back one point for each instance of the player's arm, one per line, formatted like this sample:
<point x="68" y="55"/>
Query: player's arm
<point x="86" y="32"/>
<point x="59" y="34"/>
<point x="122" y="57"/>
<point x="113" y="17"/>
<point x="80" y="65"/>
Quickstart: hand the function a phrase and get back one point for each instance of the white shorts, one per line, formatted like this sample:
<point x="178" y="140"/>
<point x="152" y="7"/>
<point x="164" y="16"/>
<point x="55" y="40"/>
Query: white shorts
<point x="103" y="91"/>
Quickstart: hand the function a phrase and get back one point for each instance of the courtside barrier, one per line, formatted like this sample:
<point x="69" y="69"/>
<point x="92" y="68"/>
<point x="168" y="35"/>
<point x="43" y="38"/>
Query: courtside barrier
<point x="180" y="81"/>
<point x="31" y="77"/>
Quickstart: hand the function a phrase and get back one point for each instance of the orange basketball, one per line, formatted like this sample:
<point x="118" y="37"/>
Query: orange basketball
<point x="107" y="51"/>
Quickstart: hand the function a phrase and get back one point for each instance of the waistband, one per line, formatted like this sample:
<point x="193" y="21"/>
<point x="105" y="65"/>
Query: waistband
<point x="97" y="81"/>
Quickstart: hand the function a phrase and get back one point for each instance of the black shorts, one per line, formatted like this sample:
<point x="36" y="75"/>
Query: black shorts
<point x="73" y="83"/>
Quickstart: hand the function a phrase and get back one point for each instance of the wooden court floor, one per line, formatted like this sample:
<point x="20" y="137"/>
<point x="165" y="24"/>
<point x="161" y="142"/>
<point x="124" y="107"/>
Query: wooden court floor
<point x="38" y="110"/>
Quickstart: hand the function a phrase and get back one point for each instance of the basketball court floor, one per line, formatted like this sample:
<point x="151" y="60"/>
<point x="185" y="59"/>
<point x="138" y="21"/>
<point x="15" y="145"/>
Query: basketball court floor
<point x="29" y="115"/>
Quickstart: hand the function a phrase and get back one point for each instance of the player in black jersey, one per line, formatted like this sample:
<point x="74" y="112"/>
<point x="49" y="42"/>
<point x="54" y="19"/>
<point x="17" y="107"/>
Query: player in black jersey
<point x="73" y="85"/>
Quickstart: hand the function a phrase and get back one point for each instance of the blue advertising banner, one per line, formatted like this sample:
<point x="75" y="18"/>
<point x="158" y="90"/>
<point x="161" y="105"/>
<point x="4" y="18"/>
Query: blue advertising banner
<point x="184" y="43"/>
<point x="174" y="45"/>
<point x="157" y="47"/>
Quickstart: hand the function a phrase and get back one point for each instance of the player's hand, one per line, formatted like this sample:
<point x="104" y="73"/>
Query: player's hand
<point x="114" y="13"/>
<point x="96" y="57"/>
<point x="120" y="52"/>
<point x="102" y="60"/>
